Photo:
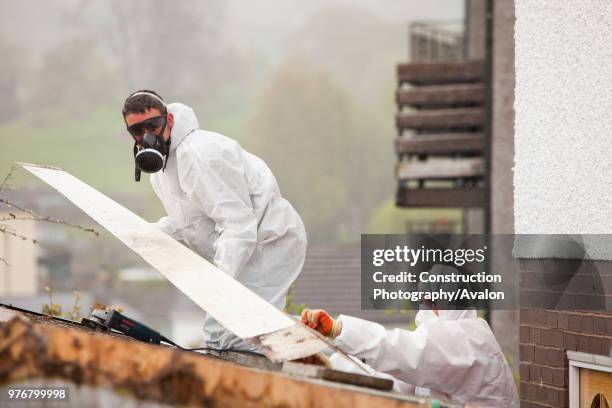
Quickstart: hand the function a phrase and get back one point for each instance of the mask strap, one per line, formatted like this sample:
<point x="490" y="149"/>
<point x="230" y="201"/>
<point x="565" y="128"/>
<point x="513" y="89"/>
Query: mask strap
<point x="137" y="171"/>
<point x="165" y="162"/>
<point x="166" y="144"/>
<point x="167" y="155"/>
<point x="152" y="95"/>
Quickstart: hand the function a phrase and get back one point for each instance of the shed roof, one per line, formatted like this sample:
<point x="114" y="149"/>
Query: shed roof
<point x="39" y="347"/>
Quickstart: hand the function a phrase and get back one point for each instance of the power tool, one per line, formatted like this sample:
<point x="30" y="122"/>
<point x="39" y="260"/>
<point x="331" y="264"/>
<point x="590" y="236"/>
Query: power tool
<point x="106" y="320"/>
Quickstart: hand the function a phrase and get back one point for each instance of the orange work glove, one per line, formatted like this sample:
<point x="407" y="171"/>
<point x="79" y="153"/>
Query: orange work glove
<point x="322" y="322"/>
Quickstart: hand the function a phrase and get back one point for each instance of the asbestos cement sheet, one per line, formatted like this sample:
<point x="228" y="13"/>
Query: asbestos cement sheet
<point x="230" y="303"/>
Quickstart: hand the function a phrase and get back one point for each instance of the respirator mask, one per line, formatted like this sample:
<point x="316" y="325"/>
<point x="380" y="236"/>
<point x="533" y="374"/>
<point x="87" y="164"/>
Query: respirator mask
<point x="150" y="149"/>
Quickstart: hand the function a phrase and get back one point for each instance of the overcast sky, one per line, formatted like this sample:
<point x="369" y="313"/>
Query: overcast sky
<point x="266" y="23"/>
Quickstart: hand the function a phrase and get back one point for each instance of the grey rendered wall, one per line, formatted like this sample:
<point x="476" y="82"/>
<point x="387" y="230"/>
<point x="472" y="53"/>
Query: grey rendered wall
<point x="563" y="104"/>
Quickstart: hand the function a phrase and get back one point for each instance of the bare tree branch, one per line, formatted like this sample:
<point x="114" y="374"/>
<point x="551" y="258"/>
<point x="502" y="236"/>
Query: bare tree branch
<point x="13" y="217"/>
<point x="13" y="205"/>
<point x="37" y="217"/>
<point x="6" y="178"/>
<point x="5" y="229"/>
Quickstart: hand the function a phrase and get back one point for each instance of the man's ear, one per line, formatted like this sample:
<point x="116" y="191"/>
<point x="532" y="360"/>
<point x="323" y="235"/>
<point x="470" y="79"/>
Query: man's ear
<point x="170" y="119"/>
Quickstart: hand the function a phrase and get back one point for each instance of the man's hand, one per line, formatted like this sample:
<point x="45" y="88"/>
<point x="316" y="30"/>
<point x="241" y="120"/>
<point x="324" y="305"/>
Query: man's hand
<point x="322" y="322"/>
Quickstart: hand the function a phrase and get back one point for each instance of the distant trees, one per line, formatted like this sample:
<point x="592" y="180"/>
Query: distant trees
<point x="107" y="49"/>
<point x="74" y="77"/>
<point x="324" y="123"/>
<point x="173" y="47"/>
<point x="356" y="46"/>
<point x="331" y="159"/>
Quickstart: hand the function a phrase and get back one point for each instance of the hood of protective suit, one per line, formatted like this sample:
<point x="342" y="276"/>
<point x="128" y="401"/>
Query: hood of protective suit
<point x="185" y="122"/>
<point x="439" y="271"/>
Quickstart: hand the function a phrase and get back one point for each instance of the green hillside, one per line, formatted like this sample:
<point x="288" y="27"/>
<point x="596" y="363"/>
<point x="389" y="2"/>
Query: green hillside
<point x="93" y="148"/>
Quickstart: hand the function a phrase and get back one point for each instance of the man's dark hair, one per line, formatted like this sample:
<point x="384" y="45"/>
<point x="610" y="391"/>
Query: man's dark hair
<point x="143" y="100"/>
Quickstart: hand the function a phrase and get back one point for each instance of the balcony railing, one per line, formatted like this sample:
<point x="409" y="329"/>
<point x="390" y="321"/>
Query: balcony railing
<point x="437" y="41"/>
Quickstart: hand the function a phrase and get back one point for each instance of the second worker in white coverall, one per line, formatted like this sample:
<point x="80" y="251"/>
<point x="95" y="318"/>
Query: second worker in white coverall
<point x="452" y="354"/>
<point x="221" y="201"/>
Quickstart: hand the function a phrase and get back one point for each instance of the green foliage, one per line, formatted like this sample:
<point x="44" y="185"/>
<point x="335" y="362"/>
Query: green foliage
<point x="51" y="309"/>
<point x="290" y="306"/>
<point x="406" y="312"/>
<point x="390" y="219"/>
<point x="55" y="309"/>
<point x="75" y="313"/>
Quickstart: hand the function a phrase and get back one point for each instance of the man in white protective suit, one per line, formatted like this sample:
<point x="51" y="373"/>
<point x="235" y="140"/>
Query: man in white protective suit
<point x="221" y="201"/>
<point x="452" y="354"/>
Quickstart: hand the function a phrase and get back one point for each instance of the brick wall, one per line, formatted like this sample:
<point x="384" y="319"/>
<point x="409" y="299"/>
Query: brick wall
<point x="544" y="337"/>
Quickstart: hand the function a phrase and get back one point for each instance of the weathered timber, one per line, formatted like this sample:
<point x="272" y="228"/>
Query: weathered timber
<point x="441" y="119"/>
<point x="440" y="169"/>
<point x="448" y="72"/>
<point x="312" y="371"/>
<point x="440" y="197"/>
<point x="440" y="144"/>
<point x="30" y="350"/>
<point x="441" y="96"/>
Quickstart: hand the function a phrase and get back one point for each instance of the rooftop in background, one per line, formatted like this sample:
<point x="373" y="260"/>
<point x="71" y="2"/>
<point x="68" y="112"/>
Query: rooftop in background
<point x="331" y="280"/>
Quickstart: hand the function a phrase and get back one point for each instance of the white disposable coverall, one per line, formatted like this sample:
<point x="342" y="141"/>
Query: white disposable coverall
<point x="224" y="203"/>
<point x="455" y="356"/>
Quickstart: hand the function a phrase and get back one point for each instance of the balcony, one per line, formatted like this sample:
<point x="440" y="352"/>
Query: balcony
<point x="440" y="122"/>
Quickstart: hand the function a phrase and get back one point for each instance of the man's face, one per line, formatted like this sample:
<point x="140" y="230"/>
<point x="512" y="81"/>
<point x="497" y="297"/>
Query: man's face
<point x="147" y="118"/>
